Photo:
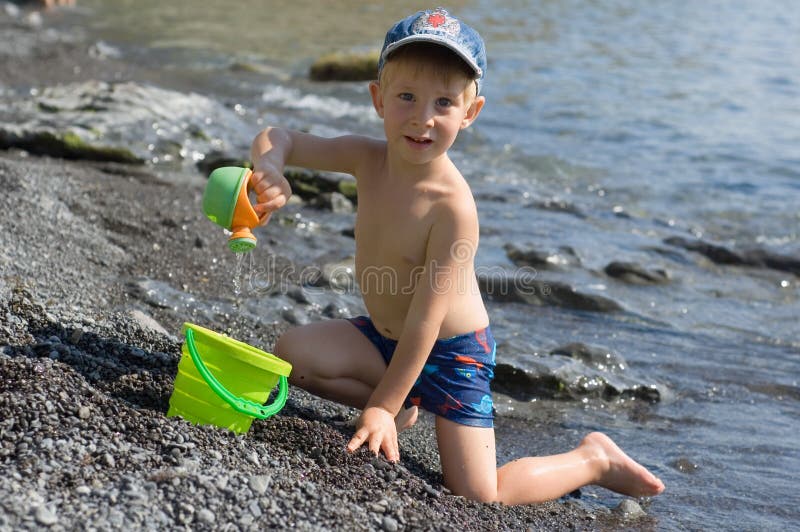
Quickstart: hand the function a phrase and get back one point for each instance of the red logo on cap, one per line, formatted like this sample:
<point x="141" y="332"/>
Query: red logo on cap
<point x="437" y="19"/>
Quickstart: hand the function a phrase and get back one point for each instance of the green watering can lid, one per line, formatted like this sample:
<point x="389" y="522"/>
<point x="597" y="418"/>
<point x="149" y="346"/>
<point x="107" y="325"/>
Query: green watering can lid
<point x="221" y="193"/>
<point x="240" y="350"/>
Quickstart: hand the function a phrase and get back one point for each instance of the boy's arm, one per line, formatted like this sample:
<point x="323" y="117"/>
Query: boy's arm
<point x="451" y="248"/>
<point x="274" y="148"/>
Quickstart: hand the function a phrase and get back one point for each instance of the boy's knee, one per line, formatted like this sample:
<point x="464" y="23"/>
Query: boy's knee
<point x="483" y="494"/>
<point x="288" y="348"/>
<point x="282" y="346"/>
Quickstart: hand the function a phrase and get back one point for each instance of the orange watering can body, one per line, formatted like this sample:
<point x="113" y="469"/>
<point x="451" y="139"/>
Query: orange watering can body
<point x="226" y="202"/>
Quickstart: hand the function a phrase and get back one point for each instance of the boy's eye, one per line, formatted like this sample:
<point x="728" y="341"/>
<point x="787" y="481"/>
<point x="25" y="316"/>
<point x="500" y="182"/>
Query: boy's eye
<point x="444" y="102"/>
<point x="407" y="96"/>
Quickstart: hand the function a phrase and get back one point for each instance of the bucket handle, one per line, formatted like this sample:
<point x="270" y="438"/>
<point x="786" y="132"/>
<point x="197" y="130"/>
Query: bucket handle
<point x="240" y="404"/>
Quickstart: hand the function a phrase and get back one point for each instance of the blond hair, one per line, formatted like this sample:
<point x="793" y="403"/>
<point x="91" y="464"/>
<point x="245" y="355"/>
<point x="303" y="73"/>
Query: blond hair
<point x="436" y="59"/>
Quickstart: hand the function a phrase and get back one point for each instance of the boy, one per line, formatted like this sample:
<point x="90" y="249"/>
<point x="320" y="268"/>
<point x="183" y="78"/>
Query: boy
<point x="427" y="340"/>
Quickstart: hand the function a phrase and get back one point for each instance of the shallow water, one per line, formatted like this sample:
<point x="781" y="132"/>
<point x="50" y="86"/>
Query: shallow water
<point x="645" y="121"/>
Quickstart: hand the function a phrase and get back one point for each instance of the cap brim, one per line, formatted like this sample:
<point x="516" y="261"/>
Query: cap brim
<point x="431" y="38"/>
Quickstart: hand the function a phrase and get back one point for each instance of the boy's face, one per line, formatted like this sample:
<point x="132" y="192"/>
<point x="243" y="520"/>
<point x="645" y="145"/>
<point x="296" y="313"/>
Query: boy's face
<point x="423" y="110"/>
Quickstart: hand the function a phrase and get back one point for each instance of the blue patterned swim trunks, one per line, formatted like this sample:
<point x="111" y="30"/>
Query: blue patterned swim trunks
<point x="455" y="381"/>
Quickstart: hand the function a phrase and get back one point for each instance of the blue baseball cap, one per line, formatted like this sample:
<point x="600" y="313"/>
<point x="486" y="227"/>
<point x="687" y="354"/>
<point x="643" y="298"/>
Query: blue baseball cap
<point x="438" y="27"/>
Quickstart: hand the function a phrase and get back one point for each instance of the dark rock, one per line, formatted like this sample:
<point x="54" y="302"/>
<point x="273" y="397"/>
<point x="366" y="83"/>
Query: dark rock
<point x="524" y="385"/>
<point x="524" y="289"/>
<point x="538" y="259"/>
<point x="783" y="263"/>
<point x="528" y="257"/>
<point x="635" y="274"/>
<point x="717" y="254"/>
<point x="757" y="258"/>
<point x="556" y="205"/>
<point x="597" y="357"/>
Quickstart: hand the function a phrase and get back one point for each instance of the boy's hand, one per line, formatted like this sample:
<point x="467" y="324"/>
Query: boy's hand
<point x="271" y="188"/>
<point x="376" y="426"/>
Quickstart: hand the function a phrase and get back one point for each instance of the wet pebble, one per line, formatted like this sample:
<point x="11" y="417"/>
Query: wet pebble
<point x="684" y="465"/>
<point x="629" y="509"/>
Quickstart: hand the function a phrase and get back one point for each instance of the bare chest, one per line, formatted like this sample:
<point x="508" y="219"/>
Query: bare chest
<point x="392" y="235"/>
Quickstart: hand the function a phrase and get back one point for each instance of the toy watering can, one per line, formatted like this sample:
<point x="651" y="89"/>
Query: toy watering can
<point x="224" y="382"/>
<point x="226" y="203"/>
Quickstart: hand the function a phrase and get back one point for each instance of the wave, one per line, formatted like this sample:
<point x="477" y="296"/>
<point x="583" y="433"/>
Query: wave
<point x="292" y="98"/>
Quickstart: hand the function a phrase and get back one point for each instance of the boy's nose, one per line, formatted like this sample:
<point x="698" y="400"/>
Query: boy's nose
<point x="423" y="115"/>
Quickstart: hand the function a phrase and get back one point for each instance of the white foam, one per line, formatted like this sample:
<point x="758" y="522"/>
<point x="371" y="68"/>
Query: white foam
<point x="291" y="98"/>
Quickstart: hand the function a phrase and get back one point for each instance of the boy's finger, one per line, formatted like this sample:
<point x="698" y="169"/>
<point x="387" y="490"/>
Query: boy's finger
<point x="357" y="440"/>
<point x="391" y="451"/>
<point x="275" y="204"/>
<point x="375" y="444"/>
<point x="271" y="193"/>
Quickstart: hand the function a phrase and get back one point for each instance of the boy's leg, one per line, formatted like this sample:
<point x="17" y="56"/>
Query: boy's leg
<point x="334" y="360"/>
<point x="469" y="465"/>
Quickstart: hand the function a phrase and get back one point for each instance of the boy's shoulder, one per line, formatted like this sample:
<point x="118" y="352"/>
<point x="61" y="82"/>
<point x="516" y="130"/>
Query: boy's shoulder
<point x="454" y="199"/>
<point x="368" y="150"/>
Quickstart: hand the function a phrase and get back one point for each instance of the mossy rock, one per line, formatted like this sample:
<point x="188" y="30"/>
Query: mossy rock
<point x="347" y="187"/>
<point x="67" y="145"/>
<point x="351" y="66"/>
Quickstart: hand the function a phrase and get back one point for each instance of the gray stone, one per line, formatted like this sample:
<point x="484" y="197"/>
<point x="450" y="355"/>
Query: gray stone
<point x="45" y="516"/>
<point x="259" y="483"/>
<point x="206" y="516"/>
<point x="389" y="524"/>
<point x="147" y="322"/>
<point x="629" y="509"/>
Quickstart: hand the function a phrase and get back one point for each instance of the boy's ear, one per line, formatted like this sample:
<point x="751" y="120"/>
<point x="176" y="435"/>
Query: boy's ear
<point x="377" y="97"/>
<point x="473" y="111"/>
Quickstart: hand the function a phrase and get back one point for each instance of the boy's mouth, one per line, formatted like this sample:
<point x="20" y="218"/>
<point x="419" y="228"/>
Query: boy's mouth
<point x="419" y="140"/>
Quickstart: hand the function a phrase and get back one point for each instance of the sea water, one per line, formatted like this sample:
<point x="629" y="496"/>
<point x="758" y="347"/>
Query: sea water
<point x="609" y="127"/>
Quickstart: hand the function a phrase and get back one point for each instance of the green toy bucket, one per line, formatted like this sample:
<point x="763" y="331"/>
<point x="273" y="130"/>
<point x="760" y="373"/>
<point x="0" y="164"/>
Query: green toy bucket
<point x="228" y="385"/>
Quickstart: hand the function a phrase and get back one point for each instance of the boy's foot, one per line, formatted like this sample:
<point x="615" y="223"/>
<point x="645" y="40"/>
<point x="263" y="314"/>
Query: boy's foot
<point x="623" y="474"/>
<point x="406" y="418"/>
